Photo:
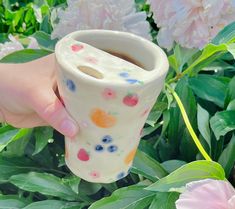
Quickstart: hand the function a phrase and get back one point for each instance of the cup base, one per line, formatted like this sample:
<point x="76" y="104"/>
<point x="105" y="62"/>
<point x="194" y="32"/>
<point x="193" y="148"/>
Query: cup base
<point x="95" y="177"/>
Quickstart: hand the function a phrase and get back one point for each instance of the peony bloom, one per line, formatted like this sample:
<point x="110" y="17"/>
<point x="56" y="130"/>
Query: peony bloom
<point x="207" y="194"/>
<point x="14" y="45"/>
<point x="118" y="15"/>
<point x="191" y="23"/>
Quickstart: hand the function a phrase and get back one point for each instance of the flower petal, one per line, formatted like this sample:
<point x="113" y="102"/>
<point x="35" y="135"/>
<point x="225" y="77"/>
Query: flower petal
<point x="206" y="194"/>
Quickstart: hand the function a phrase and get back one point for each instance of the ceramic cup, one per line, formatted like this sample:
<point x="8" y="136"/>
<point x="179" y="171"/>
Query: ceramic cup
<point x="110" y="112"/>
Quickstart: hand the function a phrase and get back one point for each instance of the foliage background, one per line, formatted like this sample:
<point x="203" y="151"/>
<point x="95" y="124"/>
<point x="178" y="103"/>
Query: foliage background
<point x="33" y="174"/>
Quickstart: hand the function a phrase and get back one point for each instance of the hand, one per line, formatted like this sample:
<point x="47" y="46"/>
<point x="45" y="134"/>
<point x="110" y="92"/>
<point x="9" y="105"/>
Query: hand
<point x="28" y="98"/>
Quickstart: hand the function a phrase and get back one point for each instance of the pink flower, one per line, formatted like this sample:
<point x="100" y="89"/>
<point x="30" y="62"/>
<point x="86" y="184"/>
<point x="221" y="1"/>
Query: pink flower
<point x="207" y="194"/>
<point x="191" y="23"/>
<point x="118" y="15"/>
<point x="109" y="93"/>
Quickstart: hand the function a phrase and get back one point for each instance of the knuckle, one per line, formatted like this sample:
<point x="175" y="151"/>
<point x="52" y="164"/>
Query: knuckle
<point x="51" y="110"/>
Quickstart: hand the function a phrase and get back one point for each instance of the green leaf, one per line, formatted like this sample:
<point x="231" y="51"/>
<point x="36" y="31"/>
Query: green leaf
<point x="226" y="35"/>
<point x="8" y="135"/>
<point x="43" y="183"/>
<point x="54" y="204"/>
<point x="227" y="158"/>
<point x="193" y="171"/>
<point x="166" y="120"/>
<point x="150" y="129"/>
<point x="210" y="88"/>
<point x="188" y="99"/>
<point x="18" y="144"/>
<point x="148" y="148"/>
<point x="148" y="167"/>
<point x="25" y="55"/>
<point x="13" y="166"/>
<point x="73" y="182"/>
<point x="223" y="122"/>
<point x="164" y="200"/>
<point x="12" y="202"/>
<point x="7" y="4"/>
<point x="153" y="117"/>
<point x="203" y="124"/>
<point x="231" y="49"/>
<point x="3" y="37"/>
<point x="172" y="165"/>
<point x="230" y="94"/>
<point x="169" y="147"/>
<point x="209" y="53"/>
<point x="42" y="135"/>
<point x="29" y="15"/>
<point x="185" y="143"/>
<point x="231" y="105"/>
<point x="88" y="188"/>
<point x="131" y="197"/>
<point x="17" y="17"/>
<point x="218" y="66"/>
<point x="44" y="40"/>
<point x="182" y="56"/>
<point x="45" y="25"/>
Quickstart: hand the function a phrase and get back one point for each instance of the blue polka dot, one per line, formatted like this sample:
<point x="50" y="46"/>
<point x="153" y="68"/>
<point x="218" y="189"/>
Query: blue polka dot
<point x="99" y="148"/>
<point x="107" y="139"/>
<point x="121" y="175"/>
<point x="124" y="74"/>
<point x="112" y="148"/>
<point x="71" y="85"/>
<point x="132" y="81"/>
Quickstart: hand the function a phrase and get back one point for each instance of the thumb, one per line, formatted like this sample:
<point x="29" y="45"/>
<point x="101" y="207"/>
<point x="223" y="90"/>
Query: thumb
<point x="49" y="107"/>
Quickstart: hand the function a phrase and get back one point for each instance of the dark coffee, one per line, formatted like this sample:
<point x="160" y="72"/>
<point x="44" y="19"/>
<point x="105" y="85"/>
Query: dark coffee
<point x="125" y="57"/>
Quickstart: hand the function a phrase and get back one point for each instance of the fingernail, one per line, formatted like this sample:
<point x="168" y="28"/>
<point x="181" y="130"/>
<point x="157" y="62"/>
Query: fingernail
<point x="69" y="128"/>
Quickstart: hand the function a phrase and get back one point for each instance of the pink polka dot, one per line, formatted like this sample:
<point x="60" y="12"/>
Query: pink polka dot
<point x="92" y="60"/>
<point x="95" y="174"/>
<point x="77" y="47"/>
<point x="109" y="94"/>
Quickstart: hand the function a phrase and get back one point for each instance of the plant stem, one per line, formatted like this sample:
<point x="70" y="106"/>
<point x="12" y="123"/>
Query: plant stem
<point x="188" y="124"/>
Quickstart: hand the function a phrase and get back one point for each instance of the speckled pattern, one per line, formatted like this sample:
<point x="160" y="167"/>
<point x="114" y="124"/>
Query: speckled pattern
<point x="111" y="112"/>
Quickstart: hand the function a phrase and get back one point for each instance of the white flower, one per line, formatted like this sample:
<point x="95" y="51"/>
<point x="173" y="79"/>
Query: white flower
<point x="191" y="23"/>
<point x="33" y="44"/>
<point x="14" y="45"/>
<point x="118" y="15"/>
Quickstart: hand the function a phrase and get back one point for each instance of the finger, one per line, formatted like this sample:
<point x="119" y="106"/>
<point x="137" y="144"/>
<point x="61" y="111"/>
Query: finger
<point x="30" y="120"/>
<point x="2" y="118"/>
<point x="49" y="108"/>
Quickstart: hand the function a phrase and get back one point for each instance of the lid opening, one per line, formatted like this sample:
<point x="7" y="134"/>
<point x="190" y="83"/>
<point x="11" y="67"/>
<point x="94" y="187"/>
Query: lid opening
<point x="91" y="72"/>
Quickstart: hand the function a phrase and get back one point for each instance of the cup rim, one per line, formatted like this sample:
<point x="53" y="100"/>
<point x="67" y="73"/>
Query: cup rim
<point x="160" y="67"/>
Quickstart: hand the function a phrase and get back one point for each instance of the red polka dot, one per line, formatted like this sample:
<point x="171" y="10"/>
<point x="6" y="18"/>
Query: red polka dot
<point x="83" y="155"/>
<point x="131" y="100"/>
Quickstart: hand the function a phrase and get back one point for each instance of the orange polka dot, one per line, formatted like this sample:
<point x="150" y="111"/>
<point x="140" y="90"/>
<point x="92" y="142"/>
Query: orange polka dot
<point x="102" y="119"/>
<point x="130" y="156"/>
